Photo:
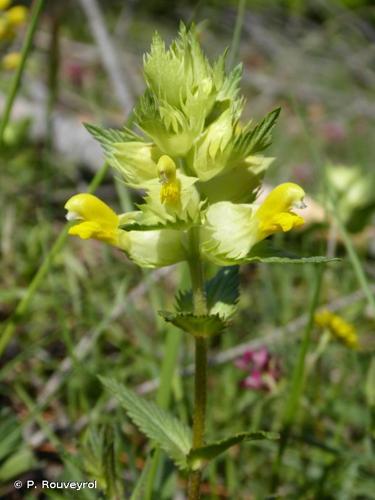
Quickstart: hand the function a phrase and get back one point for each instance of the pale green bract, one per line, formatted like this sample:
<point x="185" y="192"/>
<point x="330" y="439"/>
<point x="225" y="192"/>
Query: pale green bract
<point x="197" y="165"/>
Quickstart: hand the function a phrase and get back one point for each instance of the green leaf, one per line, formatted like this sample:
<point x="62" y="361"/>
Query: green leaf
<point x="18" y="463"/>
<point x="10" y="434"/>
<point x="199" y="326"/>
<point x="198" y="456"/>
<point x="231" y="85"/>
<point x="139" y="491"/>
<point x="253" y="140"/>
<point x="265" y="252"/>
<point x="222" y="293"/>
<point x="170" y="434"/>
<point x="109" y="136"/>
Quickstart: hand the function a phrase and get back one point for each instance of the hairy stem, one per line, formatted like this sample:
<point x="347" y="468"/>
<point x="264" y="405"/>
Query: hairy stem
<point x="200" y="381"/>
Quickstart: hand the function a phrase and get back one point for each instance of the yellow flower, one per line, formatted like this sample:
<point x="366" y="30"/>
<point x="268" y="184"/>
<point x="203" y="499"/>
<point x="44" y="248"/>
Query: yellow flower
<point x="338" y="327"/>
<point x="11" y="61"/>
<point x="17" y="15"/>
<point x="99" y="221"/>
<point x="276" y="212"/>
<point x="170" y="186"/>
<point x="232" y="229"/>
<point x="4" y="4"/>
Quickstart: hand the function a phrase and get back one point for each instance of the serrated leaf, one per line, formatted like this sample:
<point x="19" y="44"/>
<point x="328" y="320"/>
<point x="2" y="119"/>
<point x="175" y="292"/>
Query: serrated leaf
<point x="109" y="136"/>
<point x="265" y="253"/>
<point x="199" y="326"/>
<point x="222" y="294"/>
<point x="106" y="136"/>
<point x="170" y="434"/>
<point x="254" y="140"/>
<point x="198" y="456"/>
<point x="291" y="260"/>
<point x="231" y="84"/>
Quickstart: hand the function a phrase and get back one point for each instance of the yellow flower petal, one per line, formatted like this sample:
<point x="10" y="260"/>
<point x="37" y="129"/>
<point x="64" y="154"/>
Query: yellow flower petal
<point x="90" y="207"/>
<point x="275" y="214"/>
<point x="99" y="221"/>
<point x="281" y="222"/>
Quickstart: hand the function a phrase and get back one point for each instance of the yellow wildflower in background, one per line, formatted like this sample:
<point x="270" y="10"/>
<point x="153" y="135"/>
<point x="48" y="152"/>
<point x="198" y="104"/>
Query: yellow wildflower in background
<point x="16" y="15"/>
<point x="11" y="61"/>
<point x="10" y="20"/>
<point x="4" y="4"/>
<point x="338" y="327"/>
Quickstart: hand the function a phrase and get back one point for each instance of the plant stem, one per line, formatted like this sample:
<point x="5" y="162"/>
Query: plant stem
<point x="200" y="381"/>
<point x="53" y="72"/>
<point x="200" y="400"/>
<point x="235" y="45"/>
<point x="35" y="15"/>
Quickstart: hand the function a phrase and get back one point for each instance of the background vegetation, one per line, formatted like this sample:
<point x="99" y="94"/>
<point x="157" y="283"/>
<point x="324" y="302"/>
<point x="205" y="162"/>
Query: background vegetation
<point x="94" y="312"/>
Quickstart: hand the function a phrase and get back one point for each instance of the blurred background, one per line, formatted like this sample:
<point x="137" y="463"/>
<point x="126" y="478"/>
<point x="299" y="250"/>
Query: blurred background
<point x="93" y="312"/>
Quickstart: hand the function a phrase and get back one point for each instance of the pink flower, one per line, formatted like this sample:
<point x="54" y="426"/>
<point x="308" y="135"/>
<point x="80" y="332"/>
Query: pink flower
<point x="263" y="369"/>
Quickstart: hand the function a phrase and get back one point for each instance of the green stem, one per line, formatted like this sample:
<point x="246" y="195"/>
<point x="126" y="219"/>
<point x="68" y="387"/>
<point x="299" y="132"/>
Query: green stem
<point x="200" y="381"/>
<point x="235" y="45"/>
<point x="35" y="15"/>
<point x="353" y="256"/>
<point x="41" y="273"/>
<point x="297" y="384"/>
<point x="53" y="73"/>
<point x="163" y="397"/>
